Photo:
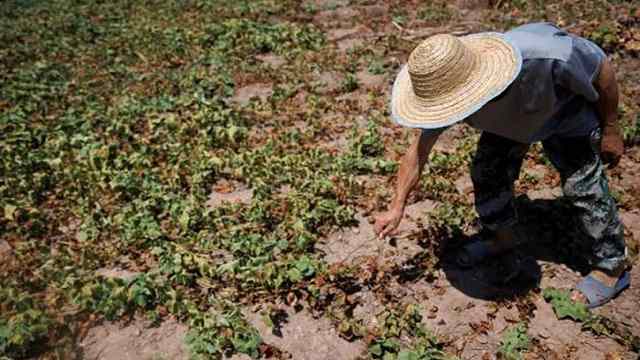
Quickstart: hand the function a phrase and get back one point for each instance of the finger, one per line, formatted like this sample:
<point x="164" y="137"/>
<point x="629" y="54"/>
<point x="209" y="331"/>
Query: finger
<point x="385" y="231"/>
<point x="378" y="227"/>
<point x="388" y="230"/>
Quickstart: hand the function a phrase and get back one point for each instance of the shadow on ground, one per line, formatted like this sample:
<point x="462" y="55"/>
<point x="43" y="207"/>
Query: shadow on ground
<point x="552" y="237"/>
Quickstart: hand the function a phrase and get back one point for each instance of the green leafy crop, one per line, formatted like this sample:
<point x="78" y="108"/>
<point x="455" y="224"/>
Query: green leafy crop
<point x="24" y="324"/>
<point x="514" y="341"/>
<point x="396" y="324"/>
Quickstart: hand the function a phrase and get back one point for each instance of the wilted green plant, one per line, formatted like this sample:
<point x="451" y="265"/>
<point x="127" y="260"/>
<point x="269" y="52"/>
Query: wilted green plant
<point x="402" y="321"/>
<point x="350" y="82"/>
<point x="563" y="306"/>
<point x="376" y="67"/>
<point x="631" y="132"/>
<point x="606" y="36"/>
<point x="24" y="324"/>
<point x="514" y="342"/>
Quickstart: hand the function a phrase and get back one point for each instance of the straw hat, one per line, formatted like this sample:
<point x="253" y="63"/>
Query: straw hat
<point x="449" y="78"/>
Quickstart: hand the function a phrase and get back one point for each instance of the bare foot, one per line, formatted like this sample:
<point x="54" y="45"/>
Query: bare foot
<point x="608" y="280"/>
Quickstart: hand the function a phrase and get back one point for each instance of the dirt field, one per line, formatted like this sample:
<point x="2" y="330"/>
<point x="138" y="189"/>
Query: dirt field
<point x="195" y="244"/>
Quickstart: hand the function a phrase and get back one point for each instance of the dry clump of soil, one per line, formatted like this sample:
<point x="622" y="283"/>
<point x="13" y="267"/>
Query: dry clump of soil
<point x="346" y="246"/>
<point x="247" y="93"/>
<point x="328" y="82"/>
<point x="5" y="250"/>
<point x="136" y="339"/>
<point x="371" y="81"/>
<point x="117" y="273"/>
<point x="302" y="336"/>
<point x="272" y="60"/>
<point x="226" y="191"/>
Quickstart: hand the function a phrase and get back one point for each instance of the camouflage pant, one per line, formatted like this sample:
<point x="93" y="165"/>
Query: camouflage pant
<point x="497" y="165"/>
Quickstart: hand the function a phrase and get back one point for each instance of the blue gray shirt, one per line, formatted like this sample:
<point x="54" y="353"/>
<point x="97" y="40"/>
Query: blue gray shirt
<point x="554" y="94"/>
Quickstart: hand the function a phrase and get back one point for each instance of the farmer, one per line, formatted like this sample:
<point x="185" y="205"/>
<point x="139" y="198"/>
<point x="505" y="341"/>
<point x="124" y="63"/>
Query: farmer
<point x="533" y="83"/>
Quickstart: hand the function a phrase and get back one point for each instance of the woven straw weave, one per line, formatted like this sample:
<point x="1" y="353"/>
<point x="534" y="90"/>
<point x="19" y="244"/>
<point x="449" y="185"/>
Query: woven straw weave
<point x="449" y="78"/>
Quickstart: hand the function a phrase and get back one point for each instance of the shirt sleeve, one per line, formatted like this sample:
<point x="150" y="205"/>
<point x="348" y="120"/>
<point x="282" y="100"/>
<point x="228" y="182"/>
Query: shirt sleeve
<point x="580" y="72"/>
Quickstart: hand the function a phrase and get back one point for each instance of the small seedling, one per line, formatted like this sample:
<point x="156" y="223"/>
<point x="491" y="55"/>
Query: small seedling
<point x="350" y="82"/>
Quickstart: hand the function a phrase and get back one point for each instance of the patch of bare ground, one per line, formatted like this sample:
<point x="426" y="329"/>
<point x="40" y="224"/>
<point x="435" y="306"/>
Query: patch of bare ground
<point x="464" y="293"/>
<point x="335" y="18"/>
<point x="345" y="245"/>
<point x="368" y="80"/>
<point x="327" y="82"/>
<point x="272" y="60"/>
<point x="461" y="308"/>
<point x="338" y="143"/>
<point x="341" y="34"/>
<point x="375" y="11"/>
<point x="367" y="308"/>
<point x="415" y="216"/>
<point x="624" y="179"/>
<point x="325" y="4"/>
<point x="136" y="339"/>
<point x="557" y="275"/>
<point x="565" y="339"/>
<point x="5" y="251"/>
<point x="302" y="336"/>
<point x="448" y="139"/>
<point x="473" y="11"/>
<point x="225" y="191"/>
<point x="356" y="102"/>
<point x="334" y="136"/>
<point x="117" y="273"/>
<point x="470" y="325"/>
<point x="259" y="91"/>
<point x="359" y="36"/>
<point x="349" y="44"/>
<point x="259" y="133"/>
<point x="360" y="242"/>
<point x="631" y="221"/>
<point x="628" y="73"/>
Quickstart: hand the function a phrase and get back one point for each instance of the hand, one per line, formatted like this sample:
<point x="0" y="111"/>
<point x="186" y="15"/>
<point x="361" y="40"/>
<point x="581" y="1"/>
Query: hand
<point x="387" y="221"/>
<point x="611" y="147"/>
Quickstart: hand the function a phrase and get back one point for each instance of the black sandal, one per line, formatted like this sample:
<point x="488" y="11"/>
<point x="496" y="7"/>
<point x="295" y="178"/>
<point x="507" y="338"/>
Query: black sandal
<point x="480" y="248"/>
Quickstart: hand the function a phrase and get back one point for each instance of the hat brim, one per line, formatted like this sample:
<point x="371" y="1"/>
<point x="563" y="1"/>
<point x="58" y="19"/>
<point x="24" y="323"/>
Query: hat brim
<point x="499" y="63"/>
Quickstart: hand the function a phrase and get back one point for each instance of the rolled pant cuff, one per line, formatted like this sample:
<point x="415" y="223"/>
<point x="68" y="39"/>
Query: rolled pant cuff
<point x="610" y="264"/>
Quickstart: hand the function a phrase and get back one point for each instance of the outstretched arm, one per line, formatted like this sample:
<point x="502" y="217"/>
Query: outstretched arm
<point x="612" y="145"/>
<point x="408" y="177"/>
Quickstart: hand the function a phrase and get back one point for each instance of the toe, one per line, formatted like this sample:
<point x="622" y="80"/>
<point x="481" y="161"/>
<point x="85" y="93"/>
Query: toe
<point x="579" y="297"/>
